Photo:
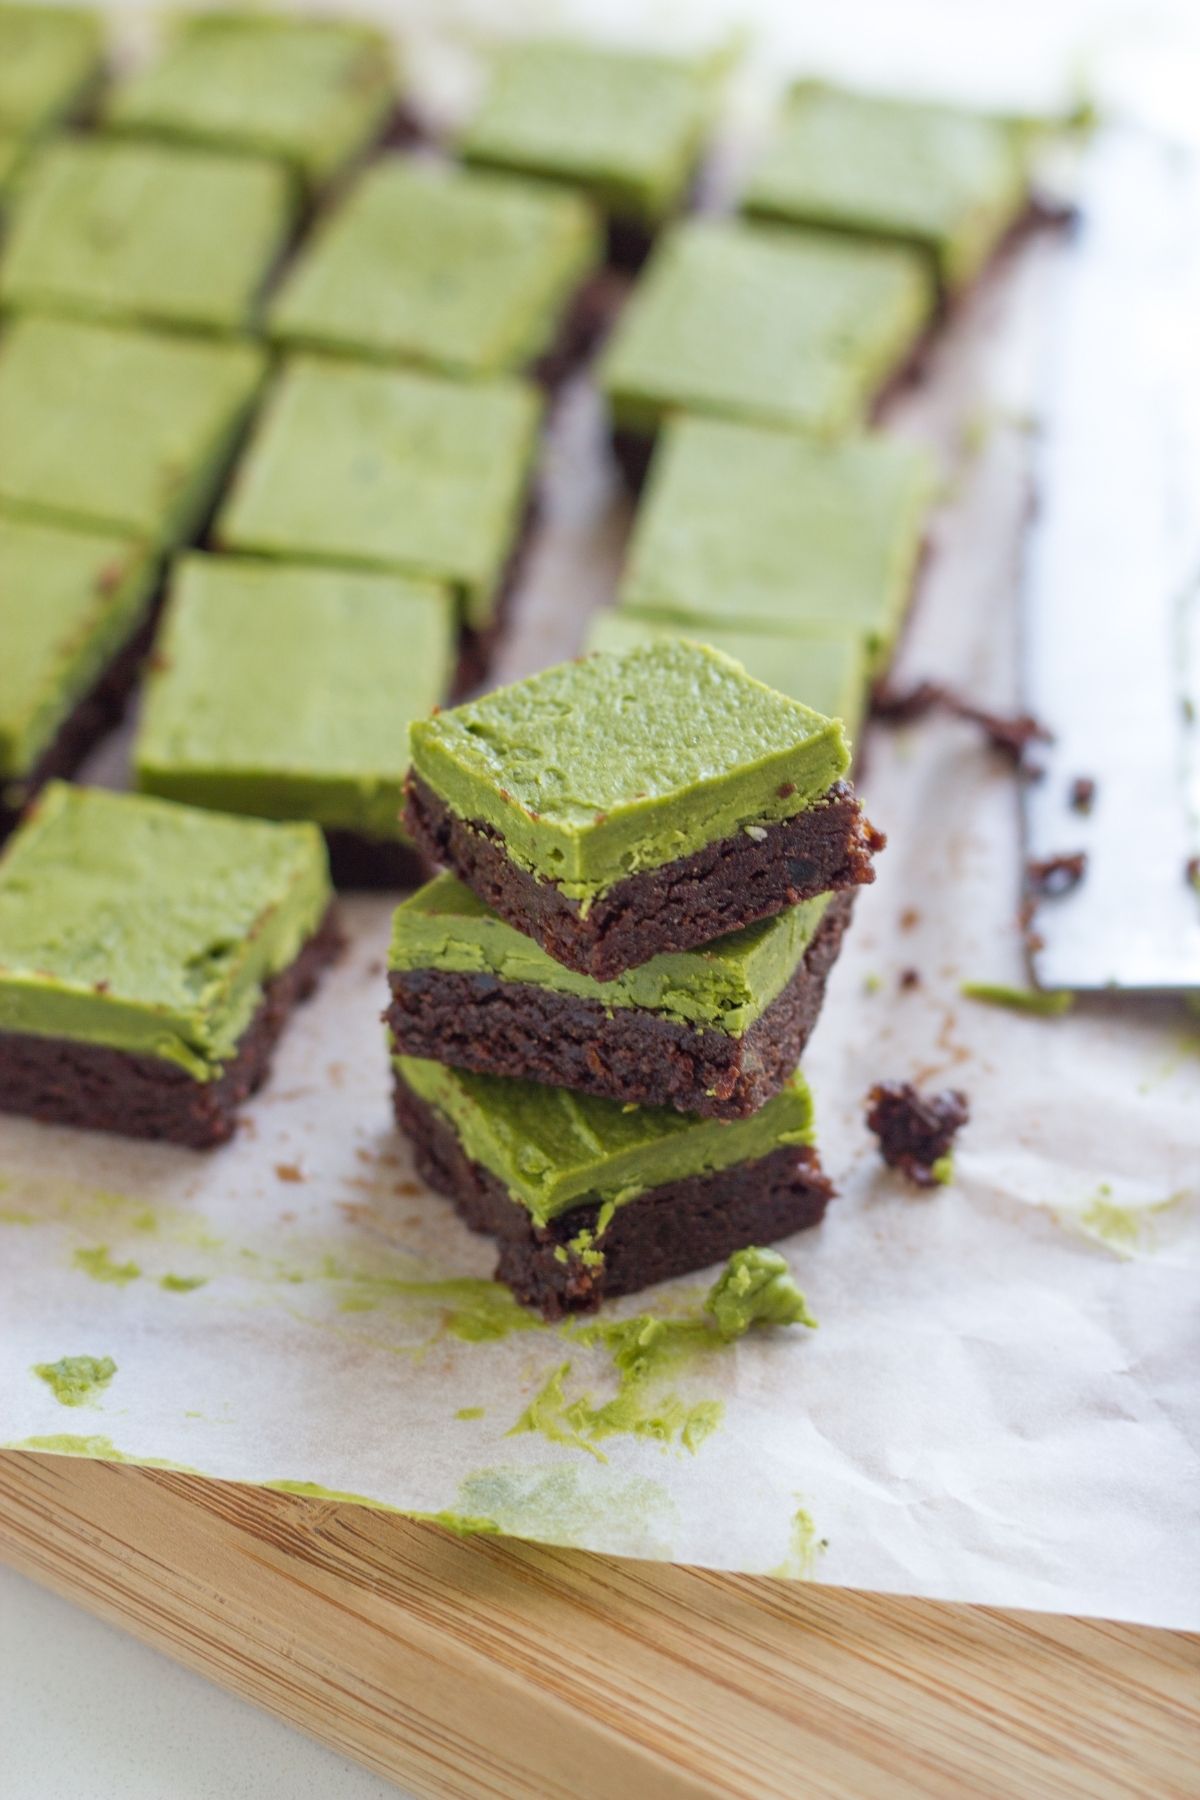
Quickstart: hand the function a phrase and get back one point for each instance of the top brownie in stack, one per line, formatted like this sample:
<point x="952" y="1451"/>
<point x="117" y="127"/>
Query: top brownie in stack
<point x="624" y="805"/>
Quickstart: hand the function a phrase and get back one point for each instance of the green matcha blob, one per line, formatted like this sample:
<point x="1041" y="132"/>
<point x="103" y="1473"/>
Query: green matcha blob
<point x="74" y="1380"/>
<point x="756" y="1288"/>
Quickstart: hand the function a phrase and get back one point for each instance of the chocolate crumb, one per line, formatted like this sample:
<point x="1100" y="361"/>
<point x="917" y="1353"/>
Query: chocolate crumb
<point x="407" y="1189"/>
<point x="1052" y="876"/>
<point x="786" y="791"/>
<point x="1192" y="870"/>
<point x="1010" y="733"/>
<point x="289" y="1172"/>
<point x="1082" y="797"/>
<point x="916" y="1131"/>
<point x="909" y="919"/>
<point x="909" y="978"/>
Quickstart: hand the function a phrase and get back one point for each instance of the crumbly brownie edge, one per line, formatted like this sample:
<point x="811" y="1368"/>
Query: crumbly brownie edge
<point x="729" y="883"/>
<point x="588" y="315"/>
<point x="61" y="1081"/>
<point x="95" y="713"/>
<point x="521" y="1030"/>
<point x="478" y="646"/>
<point x="671" y="1230"/>
<point x="358" y="861"/>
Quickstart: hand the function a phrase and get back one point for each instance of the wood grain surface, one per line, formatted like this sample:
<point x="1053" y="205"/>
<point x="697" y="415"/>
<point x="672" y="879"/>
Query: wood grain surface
<point x="489" y="1668"/>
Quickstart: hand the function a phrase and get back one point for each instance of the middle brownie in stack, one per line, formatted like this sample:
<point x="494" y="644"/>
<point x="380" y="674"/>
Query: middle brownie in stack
<point x="671" y="849"/>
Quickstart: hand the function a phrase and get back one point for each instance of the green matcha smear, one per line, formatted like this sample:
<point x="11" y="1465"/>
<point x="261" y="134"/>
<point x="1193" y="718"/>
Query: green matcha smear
<point x="1044" y="1002"/>
<point x="755" y="1288"/>
<point x="75" y="1380"/>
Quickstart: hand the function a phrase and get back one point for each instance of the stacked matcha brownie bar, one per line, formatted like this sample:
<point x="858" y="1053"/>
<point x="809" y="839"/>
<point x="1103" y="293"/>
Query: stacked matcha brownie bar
<point x="597" y="1012"/>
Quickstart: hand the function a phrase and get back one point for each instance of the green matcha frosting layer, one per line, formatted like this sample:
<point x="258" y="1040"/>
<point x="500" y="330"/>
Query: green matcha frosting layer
<point x="311" y="92"/>
<point x="148" y="927"/>
<point x="744" y="527"/>
<point x="724" y="987"/>
<point x="627" y="126"/>
<point x="790" y="328"/>
<point x="553" y="1149"/>
<point x="126" y="430"/>
<point x="824" y="669"/>
<point x="387" y="469"/>
<point x="610" y="765"/>
<point x="11" y="151"/>
<point x="288" y="691"/>
<point x="948" y="181"/>
<point x="49" y="59"/>
<point x="145" y="232"/>
<point x="463" y="273"/>
<point x="69" y="600"/>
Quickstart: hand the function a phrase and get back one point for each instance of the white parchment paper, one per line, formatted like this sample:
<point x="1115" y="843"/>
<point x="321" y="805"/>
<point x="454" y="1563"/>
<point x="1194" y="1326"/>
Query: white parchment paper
<point x="1000" y="1404"/>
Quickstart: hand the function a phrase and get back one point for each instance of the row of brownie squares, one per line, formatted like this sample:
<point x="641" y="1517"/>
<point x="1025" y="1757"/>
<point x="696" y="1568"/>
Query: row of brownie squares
<point x="618" y="814"/>
<point x="283" y="524"/>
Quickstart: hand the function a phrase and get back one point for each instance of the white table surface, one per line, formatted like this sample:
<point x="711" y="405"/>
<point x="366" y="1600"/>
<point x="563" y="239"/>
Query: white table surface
<point x="87" y="1713"/>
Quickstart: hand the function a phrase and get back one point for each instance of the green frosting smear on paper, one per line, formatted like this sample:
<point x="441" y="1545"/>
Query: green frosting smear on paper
<point x="755" y="1288"/>
<point x="1046" y="1003"/>
<point x="75" y="1380"/>
<point x="803" y="1551"/>
<point x="99" y="1264"/>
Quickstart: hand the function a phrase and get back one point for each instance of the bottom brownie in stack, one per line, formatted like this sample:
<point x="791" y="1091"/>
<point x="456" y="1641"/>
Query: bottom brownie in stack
<point x="589" y="1199"/>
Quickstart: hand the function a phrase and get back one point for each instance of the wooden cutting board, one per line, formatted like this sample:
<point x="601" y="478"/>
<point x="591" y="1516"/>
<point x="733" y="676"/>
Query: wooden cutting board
<point x="490" y="1668"/>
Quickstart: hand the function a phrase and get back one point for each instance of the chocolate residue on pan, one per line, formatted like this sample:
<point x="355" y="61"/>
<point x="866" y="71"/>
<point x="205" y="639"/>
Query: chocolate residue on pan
<point x="1052" y="876"/>
<point x="1010" y="733"/>
<point x="916" y="1131"/>
<point x="1082" y="797"/>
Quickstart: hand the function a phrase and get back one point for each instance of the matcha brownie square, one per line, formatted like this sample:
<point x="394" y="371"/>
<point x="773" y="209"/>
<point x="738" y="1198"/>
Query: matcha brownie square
<point x="826" y="670"/>
<point x="146" y="233"/>
<point x="389" y="469"/>
<point x="765" y="531"/>
<point x="312" y="93"/>
<point x="74" y="618"/>
<point x="462" y="273"/>
<point x="287" y="691"/>
<point x="715" y="1031"/>
<point x="50" y="64"/>
<point x="589" y="1199"/>
<point x="626" y="126"/>
<point x="121" y="430"/>
<point x="800" y="330"/>
<point x="617" y="807"/>
<point x="149" y="957"/>
<point x="950" y="182"/>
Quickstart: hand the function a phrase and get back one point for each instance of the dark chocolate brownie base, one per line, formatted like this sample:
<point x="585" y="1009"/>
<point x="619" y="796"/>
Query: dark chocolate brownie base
<point x="522" y="1030"/>
<point x="61" y="1081"/>
<point x="672" y="1230"/>
<point x="592" y="310"/>
<point x="96" y="713"/>
<point x="356" y="861"/>
<point x="729" y="883"/>
<point x="477" y="646"/>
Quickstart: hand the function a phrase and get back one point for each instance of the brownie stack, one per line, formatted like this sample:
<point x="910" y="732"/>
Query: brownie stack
<point x="597" y="1011"/>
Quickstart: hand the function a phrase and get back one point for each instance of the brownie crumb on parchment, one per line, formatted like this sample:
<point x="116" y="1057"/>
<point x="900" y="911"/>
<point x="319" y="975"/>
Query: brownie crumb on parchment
<point x="1010" y="733"/>
<point x="1050" y="877"/>
<point x="916" y="1131"/>
<point x="1082" y="796"/>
